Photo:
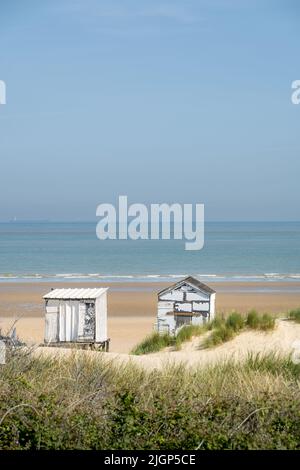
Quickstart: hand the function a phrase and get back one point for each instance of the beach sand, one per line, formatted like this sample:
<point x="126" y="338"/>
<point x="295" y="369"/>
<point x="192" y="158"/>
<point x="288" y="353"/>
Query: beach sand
<point x="281" y="341"/>
<point x="132" y="306"/>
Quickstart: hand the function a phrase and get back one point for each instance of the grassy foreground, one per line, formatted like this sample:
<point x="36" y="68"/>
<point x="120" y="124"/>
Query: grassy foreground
<point x="83" y="403"/>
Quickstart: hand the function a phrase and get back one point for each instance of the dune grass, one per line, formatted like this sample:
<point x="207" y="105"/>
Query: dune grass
<point x="235" y="322"/>
<point x="84" y="402"/>
<point x="156" y="342"/>
<point x="224" y="329"/>
<point x="260" y="322"/>
<point x="295" y="315"/>
<point x="218" y="336"/>
<point x="153" y="343"/>
<point x="186" y="333"/>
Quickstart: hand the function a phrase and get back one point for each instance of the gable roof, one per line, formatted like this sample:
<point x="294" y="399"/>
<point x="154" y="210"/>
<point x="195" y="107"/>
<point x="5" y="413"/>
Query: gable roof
<point x="191" y="280"/>
<point x="75" y="294"/>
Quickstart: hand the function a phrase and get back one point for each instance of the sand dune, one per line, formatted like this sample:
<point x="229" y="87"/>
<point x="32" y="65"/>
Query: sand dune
<point x="280" y="341"/>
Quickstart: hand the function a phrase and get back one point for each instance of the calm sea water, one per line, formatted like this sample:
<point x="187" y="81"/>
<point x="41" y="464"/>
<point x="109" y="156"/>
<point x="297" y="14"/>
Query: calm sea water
<point x="232" y="250"/>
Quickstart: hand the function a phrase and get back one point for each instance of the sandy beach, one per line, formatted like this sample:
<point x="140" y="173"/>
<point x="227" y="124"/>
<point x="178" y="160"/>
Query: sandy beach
<point x="132" y="306"/>
<point x="280" y="341"/>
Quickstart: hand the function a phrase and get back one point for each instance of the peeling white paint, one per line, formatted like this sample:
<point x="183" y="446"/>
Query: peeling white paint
<point x="175" y="304"/>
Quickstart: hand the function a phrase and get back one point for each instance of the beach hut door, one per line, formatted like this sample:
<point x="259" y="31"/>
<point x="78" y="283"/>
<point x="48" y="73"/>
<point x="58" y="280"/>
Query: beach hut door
<point x="51" y="335"/>
<point x="86" y="330"/>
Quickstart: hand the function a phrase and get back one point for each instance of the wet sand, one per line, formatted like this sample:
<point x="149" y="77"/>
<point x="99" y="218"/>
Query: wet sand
<point x="132" y="306"/>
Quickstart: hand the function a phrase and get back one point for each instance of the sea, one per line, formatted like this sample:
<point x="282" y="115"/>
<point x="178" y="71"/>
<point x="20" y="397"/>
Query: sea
<point x="65" y="251"/>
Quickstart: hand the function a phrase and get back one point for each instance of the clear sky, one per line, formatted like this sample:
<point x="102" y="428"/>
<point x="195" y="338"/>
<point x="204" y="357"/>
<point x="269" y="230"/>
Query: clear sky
<point x="161" y="100"/>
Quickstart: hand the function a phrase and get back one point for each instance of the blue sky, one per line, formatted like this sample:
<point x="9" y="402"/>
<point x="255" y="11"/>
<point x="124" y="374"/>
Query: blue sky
<point x="163" y="101"/>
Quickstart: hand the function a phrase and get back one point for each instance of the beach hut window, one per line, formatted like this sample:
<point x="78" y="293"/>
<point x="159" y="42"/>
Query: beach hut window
<point x="183" y="320"/>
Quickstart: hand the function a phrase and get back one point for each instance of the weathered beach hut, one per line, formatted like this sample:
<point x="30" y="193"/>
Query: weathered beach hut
<point x="76" y="316"/>
<point x="188" y="302"/>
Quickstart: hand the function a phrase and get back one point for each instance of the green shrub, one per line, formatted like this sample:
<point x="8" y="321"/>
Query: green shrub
<point x="86" y="402"/>
<point x="295" y="315"/>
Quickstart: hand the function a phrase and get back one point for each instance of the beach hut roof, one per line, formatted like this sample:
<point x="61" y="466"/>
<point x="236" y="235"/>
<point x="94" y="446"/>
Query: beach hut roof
<point x="75" y="294"/>
<point x="191" y="280"/>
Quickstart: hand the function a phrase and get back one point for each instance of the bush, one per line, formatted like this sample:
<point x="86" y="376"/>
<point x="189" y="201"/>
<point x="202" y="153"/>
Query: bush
<point x="84" y="402"/>
<point x="295" y="315"/>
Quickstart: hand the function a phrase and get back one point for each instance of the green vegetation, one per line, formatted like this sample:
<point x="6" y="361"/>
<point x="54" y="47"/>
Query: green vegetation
<point x="295" y="315"/>
<point x="82" y="402"/>
<point x="225" y="329"/>
<point x="153" y="343"/>
<point x="274" y="364"/>
<point x="260" y="322"/>
<point x="187" y="332"/>
<point x="267" y="322"/>
<point x="235" y="321"/>
<point x="252" y="320"/>
<point x="156" y="342"/>
<point x="217" y="322"/>
<point x="218" y="336"/>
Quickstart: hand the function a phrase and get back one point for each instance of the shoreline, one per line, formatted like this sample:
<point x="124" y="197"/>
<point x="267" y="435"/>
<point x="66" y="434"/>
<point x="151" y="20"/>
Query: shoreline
<point x="290" y="286"/>
<point x="137" y="279"/>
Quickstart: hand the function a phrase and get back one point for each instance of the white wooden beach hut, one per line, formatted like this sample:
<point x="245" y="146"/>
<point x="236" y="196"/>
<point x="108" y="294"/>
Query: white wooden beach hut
<point x="188" y="302"/>
<point x="76" y="316"/>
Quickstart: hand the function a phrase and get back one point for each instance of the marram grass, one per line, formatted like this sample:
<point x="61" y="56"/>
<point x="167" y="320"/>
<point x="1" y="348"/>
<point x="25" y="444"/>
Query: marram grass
<point x="295" y="315"/>
<point x="156" y="342"/>
<point x="225" y="329"/>
<point x="84" y="402"/>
